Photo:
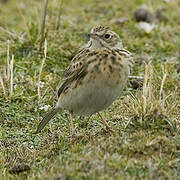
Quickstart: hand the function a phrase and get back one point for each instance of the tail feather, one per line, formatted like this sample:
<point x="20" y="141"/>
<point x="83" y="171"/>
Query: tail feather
<point x="47" y="118"/>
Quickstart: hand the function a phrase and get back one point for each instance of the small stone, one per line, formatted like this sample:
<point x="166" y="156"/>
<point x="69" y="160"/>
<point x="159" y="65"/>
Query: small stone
<point x="146" y="27"/>
<point x="19" y="168"/>
<point x="142" y="15"/>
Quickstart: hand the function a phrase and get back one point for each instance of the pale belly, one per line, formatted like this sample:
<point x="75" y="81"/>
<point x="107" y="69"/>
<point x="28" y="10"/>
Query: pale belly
<point x="92" y="97"/>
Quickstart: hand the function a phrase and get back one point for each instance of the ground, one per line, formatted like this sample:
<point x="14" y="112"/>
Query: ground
<point x="146" y="119"/>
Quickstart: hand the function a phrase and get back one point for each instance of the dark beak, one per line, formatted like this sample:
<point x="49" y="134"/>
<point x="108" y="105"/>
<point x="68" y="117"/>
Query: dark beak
<point x="92" y="35"/>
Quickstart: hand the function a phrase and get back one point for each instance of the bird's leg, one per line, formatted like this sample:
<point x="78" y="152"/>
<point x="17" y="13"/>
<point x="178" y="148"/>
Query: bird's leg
<point x="72" y="125"/>
<point x="105" y="123"/>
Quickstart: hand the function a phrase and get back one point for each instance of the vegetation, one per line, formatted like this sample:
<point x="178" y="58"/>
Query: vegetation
<point x="146" y="119"/>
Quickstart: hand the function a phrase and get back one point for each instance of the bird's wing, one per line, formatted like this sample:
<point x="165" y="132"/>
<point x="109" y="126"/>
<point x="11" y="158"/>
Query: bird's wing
<point x="76" y="70"/>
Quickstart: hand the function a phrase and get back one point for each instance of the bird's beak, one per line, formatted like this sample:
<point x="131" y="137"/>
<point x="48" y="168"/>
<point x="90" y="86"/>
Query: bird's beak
<point x="92" y="35"/>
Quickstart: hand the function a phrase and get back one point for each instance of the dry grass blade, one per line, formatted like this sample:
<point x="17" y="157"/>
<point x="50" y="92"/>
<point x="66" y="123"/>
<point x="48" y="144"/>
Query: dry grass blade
<point x="2" y="84"/>
<point x="8" y="68"/>
<point x="40" y="72"/>
<point x="59" y="15"/>
<point x="43" y="21"/>
<point x="163" y="81"/>
<point x="136" y="77"/>
<point x="147" y="88"/>
<point x="11" y="67"/>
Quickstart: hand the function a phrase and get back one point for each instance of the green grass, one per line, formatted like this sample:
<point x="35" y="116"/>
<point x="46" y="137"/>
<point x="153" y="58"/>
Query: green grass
<point x="146" y="121"/>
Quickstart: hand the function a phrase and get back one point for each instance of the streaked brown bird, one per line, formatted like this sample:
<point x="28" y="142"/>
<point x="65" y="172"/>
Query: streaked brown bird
<point x="95" y="77"/>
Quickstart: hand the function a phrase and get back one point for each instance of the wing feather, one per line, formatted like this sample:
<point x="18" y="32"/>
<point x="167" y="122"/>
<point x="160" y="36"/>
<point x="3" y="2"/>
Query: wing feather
<point x="74" y="71"/>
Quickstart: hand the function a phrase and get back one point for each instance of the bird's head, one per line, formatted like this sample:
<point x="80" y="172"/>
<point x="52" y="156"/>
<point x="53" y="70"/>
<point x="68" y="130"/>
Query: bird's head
<point x="103" y="37"/>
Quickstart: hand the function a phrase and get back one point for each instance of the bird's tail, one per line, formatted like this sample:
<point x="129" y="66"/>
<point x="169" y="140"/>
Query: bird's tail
<point x="47" y="118"/>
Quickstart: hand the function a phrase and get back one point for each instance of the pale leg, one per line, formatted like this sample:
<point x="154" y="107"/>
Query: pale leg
<point x="105" y="123"/>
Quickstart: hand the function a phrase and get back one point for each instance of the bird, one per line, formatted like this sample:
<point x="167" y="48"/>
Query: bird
<point x="94" y="79"/>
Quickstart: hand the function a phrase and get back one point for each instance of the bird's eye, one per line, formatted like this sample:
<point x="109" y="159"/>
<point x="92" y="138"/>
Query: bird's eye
<point x="107" y="36"/>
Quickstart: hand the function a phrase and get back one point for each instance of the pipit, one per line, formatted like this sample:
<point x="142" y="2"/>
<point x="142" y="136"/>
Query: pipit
<point x="95" y="77"/>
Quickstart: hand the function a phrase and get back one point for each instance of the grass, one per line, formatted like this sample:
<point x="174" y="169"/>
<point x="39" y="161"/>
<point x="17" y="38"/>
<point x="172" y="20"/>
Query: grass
<point x="146" y="120"/>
